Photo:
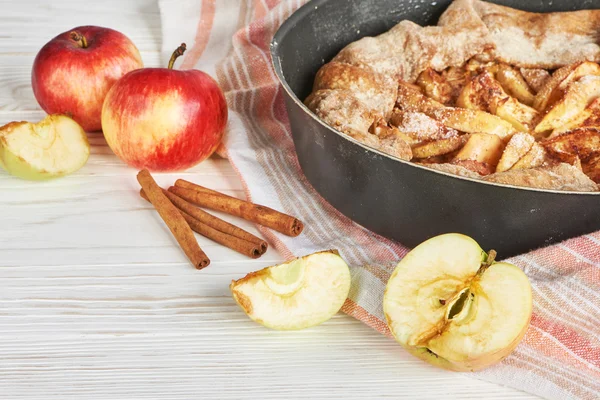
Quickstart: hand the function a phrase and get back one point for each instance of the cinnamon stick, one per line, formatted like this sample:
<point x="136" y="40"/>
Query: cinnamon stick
<point x="174" y="220"/>
<point x="245" y="247"/>
<point x="214" y="200"/>
<point x="214" y="222"/>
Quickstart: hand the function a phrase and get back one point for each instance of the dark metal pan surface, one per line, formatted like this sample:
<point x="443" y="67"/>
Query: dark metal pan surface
<point x="395" y="198"/>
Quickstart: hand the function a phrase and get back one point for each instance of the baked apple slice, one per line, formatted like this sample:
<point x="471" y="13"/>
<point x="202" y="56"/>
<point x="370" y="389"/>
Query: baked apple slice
<point x="51" y="148"/>
<point x="450" y="304"/>
<point x="411" y="100"/>
<point x="434" y="86"/>
<point x="438" y="147"/>
<point x="515" y="149"/>
<point x="577" y="97"/>
<point x="485" y="93"/>
<point x="417" y="127"/>
<point x="583" y="142"/>
<point x="474" y="121"/>
<point x="514" y="84"/>
<point x="555" y="86"/>
<point x="296" y="295"/>
<point x="483" y="148"/>
<point x="588" y="118"/>
<point x="536" y="78"/>
<point x="473" y="95"/>
<point x="522" y="117"/>
<point x="535" y="157"/>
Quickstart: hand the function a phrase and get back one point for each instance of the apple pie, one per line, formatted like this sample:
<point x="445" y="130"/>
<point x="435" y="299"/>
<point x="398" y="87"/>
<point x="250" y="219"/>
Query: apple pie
<point x="490" y="93"/>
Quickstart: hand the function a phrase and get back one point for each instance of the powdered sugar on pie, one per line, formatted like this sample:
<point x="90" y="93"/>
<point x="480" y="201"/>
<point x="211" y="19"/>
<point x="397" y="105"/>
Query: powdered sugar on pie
<point x="366" y="91"/>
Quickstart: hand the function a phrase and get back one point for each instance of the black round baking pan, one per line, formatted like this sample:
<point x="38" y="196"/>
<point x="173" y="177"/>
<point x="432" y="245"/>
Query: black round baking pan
<point x="392" y="197"/>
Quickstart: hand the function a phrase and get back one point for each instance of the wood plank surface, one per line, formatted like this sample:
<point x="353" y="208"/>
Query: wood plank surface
<point x="98" y="302"/>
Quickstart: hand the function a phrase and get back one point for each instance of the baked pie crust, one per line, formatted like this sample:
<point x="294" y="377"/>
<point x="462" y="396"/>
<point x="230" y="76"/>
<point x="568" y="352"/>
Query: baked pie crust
<point x="490" y="93"/>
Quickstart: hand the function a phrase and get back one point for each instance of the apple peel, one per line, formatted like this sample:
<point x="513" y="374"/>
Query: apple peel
<point x="450" y="304"/>
<point x="299" y="294"/>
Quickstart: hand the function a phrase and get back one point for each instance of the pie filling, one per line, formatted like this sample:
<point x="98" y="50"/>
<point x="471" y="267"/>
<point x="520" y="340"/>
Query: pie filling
<point x="483" y="109"/>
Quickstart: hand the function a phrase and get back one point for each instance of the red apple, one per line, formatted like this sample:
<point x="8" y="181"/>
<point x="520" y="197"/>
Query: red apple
<point x="73" y="72"/>
<point x="163" y="119"/>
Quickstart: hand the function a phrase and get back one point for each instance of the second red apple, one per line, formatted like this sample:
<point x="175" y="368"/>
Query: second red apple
<point x="164" y="119"/>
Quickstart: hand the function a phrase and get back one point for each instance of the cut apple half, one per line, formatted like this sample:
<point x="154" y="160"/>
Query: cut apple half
<point x="451" y="305"/>
<point x="296" y="295"/>
<point x="51" y="148"/>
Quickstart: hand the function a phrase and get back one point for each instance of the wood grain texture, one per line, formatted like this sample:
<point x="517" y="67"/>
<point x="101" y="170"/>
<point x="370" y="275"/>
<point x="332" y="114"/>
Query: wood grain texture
<point x="98" y="302"/>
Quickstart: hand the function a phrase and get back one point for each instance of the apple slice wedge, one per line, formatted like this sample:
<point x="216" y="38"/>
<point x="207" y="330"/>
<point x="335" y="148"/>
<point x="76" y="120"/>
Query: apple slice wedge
<point x="515" y="149"/>
<point x="555" y="86"/>
<point x="483" y="148"/>
<point x="51" y="148"/>
<point x="448" y="303"/>
<point x="514" y="84"/>
<point x="296" y="295"/>
<point x="577" y="97"/>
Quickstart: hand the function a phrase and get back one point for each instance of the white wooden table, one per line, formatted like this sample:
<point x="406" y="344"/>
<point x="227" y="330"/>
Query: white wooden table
<point x="98" y="302"/>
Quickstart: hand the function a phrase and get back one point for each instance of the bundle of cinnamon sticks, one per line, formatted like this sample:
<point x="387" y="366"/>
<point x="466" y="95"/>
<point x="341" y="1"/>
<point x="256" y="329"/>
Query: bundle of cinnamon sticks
<point x="178" y="209"/>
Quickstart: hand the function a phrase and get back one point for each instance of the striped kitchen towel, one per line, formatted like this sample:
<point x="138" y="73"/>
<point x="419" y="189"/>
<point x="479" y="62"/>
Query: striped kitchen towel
<point x="560" y="355"/>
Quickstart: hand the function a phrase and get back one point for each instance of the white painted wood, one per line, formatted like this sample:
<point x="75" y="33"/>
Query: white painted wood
<point x="97" y="301"/>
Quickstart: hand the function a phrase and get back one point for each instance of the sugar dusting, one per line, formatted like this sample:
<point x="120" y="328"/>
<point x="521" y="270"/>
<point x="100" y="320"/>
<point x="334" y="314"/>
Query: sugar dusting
<point x="467" y="28"/>
<point x="423" y="127"/>
<point x="514" y="46"/>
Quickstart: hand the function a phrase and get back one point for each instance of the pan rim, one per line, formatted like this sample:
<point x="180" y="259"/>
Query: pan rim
<point x="300" y="14"/>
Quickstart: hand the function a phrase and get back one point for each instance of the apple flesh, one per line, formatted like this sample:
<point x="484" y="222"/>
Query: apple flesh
<point x="73" y="72"/>
<point x="53" y="147"/>
<point x="163" y="119"/>
<point x="450" y="304"/>
<point x="296" y="295"/>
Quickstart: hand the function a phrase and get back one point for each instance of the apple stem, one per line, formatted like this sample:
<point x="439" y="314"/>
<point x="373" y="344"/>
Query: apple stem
<point x="491" y="258"/>
<point x="79" y="38"/>
<point x="489" y="261"/>
<point x="178" y="52"/>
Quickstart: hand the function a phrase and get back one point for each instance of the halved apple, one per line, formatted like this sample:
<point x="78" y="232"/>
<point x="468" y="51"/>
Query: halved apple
<point x="450" y="304"/>
<point x="51" y="148"/>
<point x="296" y="295"/>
